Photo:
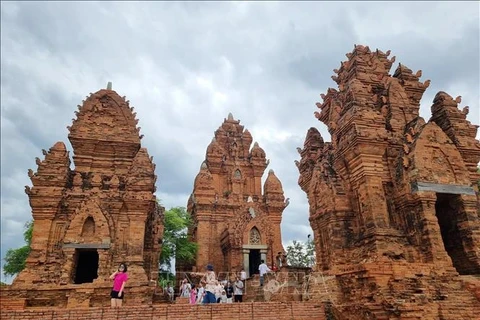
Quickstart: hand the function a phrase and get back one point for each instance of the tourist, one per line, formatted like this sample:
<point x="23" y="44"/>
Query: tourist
<point x="200" y="293"/>
<point x="243" y="275"/>
<point x="279" y="259"/>
<point x="223" y="297"/>
<point x="193" y="294"/>
<point x="229" y="290"/>
<point x="218" y="292"/>
<point x="210" y="281"/>
<point x="170" y="293"/>
<point x="238" y="290"/>
<point x="185" y="289"/>
<point x="119" y="278"/>
<point x="263" y="268"/>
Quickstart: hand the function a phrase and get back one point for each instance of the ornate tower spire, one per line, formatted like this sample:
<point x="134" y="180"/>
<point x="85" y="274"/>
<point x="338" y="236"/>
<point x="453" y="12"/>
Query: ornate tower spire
<point x="105" y="129"/>
<point x="228" y="205"/>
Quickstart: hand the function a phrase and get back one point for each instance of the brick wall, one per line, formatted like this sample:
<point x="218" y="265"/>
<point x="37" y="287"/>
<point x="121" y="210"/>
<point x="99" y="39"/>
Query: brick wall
<point x="236" y="311"/>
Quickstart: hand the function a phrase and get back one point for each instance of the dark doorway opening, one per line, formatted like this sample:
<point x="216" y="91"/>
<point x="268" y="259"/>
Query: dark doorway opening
<point x="87" y="266"/>
<point x="448" y="209"/>
<point x="254" y="261"/>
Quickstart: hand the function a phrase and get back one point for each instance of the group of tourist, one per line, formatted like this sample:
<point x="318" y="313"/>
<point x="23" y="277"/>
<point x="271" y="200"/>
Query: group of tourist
<point x="211" y="290"/>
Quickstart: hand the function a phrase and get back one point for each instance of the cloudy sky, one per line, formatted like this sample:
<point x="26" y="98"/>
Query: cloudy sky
<point x="185" y="66"/>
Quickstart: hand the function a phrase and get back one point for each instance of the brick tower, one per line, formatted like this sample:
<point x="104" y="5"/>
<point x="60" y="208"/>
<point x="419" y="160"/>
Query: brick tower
<point x="89" y="219"/>
<point x="393" y="199"/>
<point x="236" y="224"/>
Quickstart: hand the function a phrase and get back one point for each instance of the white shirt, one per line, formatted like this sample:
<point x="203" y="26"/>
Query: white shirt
<point x="185" y="290"/>
<point x="243" y="275"/>
<point x="238" y="290"/>
<point x="263" y="269"/>
<point x="223" y="298"/>
<point x="218" y="291"/>
<point x="211" y="281"/>
<point x="200" y="293"/>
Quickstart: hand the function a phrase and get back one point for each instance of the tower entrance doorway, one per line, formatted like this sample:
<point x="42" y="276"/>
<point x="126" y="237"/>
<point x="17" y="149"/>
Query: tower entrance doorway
<point x="448" y="210"/>
<point x="86" y="266"/>
<point x="254" y="261"/>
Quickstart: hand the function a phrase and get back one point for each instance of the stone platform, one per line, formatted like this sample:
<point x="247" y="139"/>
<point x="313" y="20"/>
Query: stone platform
<point x="235" y="311"/>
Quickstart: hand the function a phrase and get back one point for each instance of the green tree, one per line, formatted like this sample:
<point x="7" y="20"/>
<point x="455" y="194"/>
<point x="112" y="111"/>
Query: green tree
<point x="176" y="244"/>
<point x="165" y="278"/>
<point x="15" y="258"/>
<point x="300" y="254"/>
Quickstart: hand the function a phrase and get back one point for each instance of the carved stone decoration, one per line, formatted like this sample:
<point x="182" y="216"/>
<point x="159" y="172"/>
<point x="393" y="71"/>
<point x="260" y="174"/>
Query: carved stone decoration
<point x="254" y="236"/>
<point x="393" y="199"/>
<point x="78" y="213"/>
<point x="228" y="201"/>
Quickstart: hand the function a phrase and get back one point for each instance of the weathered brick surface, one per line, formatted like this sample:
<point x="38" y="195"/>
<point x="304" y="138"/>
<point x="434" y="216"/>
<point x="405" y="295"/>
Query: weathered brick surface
<point x="104" y="206"/>
<point x="393" y="199"/>
<point x="228" y="205"/>
<point x="238" y="311"/>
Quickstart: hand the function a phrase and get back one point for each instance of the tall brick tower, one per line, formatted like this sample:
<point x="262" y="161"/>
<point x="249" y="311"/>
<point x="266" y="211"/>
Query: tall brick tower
<point x="393" y="199"/>
<point x="236" y="224"/>
<point x="101" y="213"/>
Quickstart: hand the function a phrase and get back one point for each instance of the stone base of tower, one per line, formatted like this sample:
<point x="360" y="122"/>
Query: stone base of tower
<point x="72" y="296"/>
<point x="234" y="311"/>
<point x="396" y="291"/>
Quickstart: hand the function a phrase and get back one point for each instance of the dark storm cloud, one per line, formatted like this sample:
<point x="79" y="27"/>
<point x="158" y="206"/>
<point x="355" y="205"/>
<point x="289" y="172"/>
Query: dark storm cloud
<point x="185" y="65"/>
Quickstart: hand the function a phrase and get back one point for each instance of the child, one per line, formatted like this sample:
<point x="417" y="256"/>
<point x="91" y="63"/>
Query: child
<point x="200" y="294"/>
<point x="223" y="297"/>
<point x="193" y="294"/>
<point x="170" y="293"/>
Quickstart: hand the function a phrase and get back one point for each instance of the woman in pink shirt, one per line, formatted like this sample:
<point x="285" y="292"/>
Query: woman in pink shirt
<point x="119" y="278"/>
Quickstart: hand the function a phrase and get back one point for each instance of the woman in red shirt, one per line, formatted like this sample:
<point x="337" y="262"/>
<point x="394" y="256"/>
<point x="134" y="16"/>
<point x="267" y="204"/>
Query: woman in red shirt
<point x="119" y="278"/>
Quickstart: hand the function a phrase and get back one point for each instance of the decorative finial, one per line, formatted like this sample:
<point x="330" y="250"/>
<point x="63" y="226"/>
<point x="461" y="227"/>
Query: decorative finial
<point x="271" y="171"/>
<point x="230" y="116"/>
<point x="203" y="166"/>
<point x="255" y="144"/>
<point x="109" y="86"/>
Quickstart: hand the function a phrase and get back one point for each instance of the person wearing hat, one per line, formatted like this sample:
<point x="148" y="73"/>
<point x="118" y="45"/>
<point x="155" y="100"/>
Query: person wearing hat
<point x="210" y="281"/>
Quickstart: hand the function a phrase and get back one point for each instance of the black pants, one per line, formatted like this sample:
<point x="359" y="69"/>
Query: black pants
<point x="114" y="295"/>
<point x="238" y="298"/>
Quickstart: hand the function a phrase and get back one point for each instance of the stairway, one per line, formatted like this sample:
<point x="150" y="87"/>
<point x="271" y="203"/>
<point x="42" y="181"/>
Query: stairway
<point x="252" y="291"/>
